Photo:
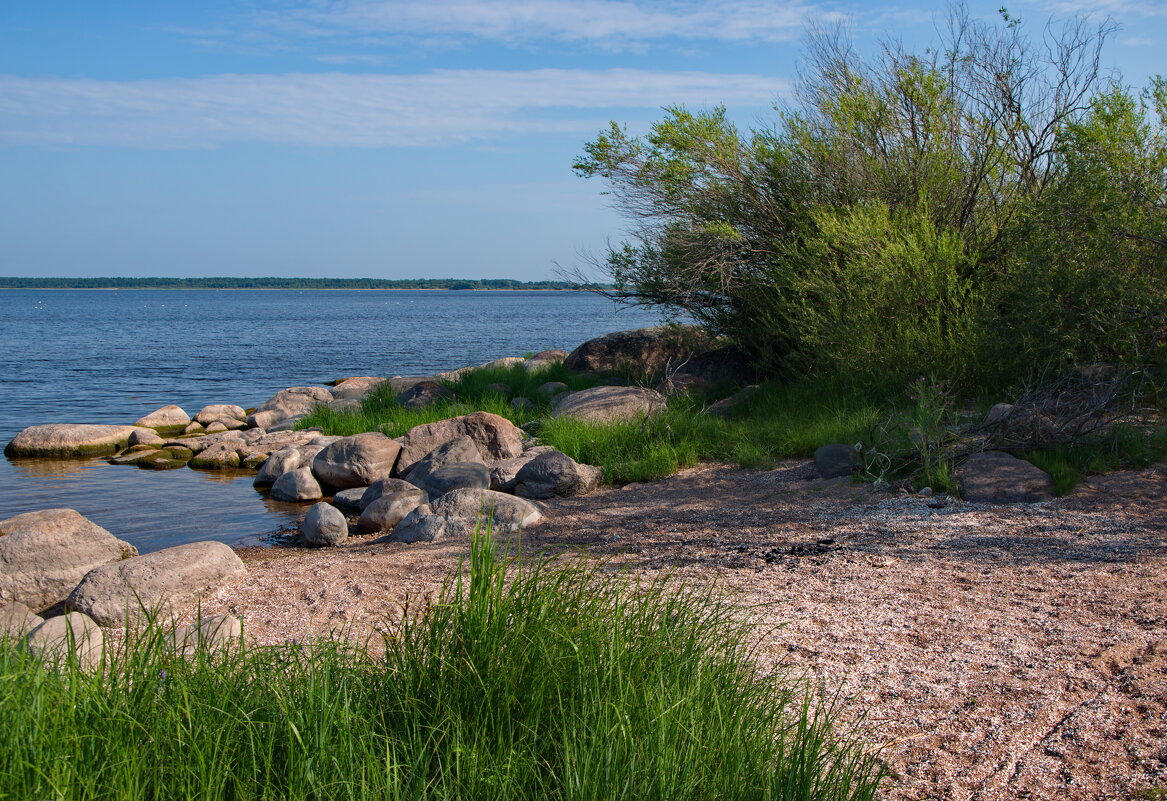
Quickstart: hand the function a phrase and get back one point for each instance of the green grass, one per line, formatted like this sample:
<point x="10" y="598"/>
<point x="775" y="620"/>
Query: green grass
<point x="531" y="680"/>
<point x="1127" y="446"/>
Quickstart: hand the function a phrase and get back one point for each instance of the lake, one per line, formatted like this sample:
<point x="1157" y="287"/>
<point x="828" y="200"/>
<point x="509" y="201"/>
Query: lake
<point x="110" y="356"/>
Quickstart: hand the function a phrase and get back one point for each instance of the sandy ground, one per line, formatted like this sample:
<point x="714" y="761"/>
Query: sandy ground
<point x="996" y="652"/>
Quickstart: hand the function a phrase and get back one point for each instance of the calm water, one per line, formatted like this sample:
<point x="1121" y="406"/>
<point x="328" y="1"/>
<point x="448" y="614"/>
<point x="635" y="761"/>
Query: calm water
<point x="112" y="356"/>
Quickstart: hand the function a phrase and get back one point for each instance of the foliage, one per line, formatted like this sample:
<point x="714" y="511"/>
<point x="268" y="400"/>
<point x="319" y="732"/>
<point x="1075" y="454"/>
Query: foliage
<point x="527" y="680"/>
<point x="970" y="213"/>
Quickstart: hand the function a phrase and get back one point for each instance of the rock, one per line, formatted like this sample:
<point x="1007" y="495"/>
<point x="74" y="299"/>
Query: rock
<point x="997" y="477"/>
<point x="169" y="417"/>
<point x="357" y="387"/>
<point x="288" y="423"/>
<point x="680" y="383"/>
<point x="292" y="394"/>
<point x="643" y="351"/>
<point x="544" y="359"/>
<point x="459" y="449"/>
<point x="602" y="404"/>
<point x="835" y="461"/>
<point x="74" y="636"/>
<point x="223" y="412"/>
<point x="998" y="414"/>
<point x="345" y="405"/>
<point x="17" y="620"/>
<point x="421" y="525"/>
<point x="133" y="456"/>
<point x="68" y="439"/>
<point x="499" y="388"/>
<point x="216" y="427"/>
<point x="194" y="428"/>
<point x="145" y="436"/>
<point x="553" y="474"/>
<point x="726" y="364"/>
<point x="460" y="475"/>
<point x="297" y="485"/>
<point x="727" y="406"/>
<point x="390" y="509"/>
<point x="385" y="486"/>
<point x="398" y="384"/>
<point x="265" y="419"/>
<point x="166" y="459"/>
<point x="521" y="404"/>
<point x="502" y="473"/>
<point x="220" y="456"/>
<point x="349" y="500"/>
<point x="501" y="364"/>
<point x="288" y="403"/>
<point x="356" y="461"/>
<point x="44" y="554"/>
<point x="423" y="394"/>
<point x="475" y="507"/>
<point x="495" y="438"/>
<point x="323" y="525"/>
<point x="553" y="388"/>
<point x="159" y="582"/>
<point x="284" y="460"/>
<point x="212" y="633"/>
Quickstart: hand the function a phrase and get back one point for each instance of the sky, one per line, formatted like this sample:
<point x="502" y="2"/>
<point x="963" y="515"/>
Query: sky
<point x="387" y="138"/>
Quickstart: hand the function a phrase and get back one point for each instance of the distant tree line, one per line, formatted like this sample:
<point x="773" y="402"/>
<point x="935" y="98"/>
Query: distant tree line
<point x="284" y="283"/>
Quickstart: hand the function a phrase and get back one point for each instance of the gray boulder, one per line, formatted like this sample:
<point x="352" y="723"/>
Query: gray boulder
<point x="17" y="620"/>
<point x="476" y="507"/>
<point x="220" y="456"/>
<point x="423" y="394"/>
<point x="356" y="461"/>
<point x="385" y="486"/>
<point x="74" y="636"/>
<point x="460" y="475"/>
<point x="145" y="436"/>
<point x="349" y="500"/>
<point x="836" y="461"/>
<point x="69" y="439"/>
<point x="643" y="351"/>
<point x="603" y="404"/>
<point x="323" y="525"/>
<point x="163" y="582"/>
<point x="997" y="477"/>
<point x="554" y="474"/>
<point x="284" y="460"/>
<point x="357" y="387"/>
<point x="220" y="412"/>
<point x="44" y="554"/>
<point x="495" y="438"/>
<point x="544" y="359"/>
<point x="390" y="509"/>
<point x="167" y="417"/>
<point x="297" y="485"/>
<point x="727" y="406"/>
<point x="553" y="388"/>
<point x="421" y="525"/>
<point x="459" y="449"/>
<point x="504" y="472"/>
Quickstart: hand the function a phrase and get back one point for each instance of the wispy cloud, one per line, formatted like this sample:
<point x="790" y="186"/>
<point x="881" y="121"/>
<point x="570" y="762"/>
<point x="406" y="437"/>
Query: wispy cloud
<point x="595" y="21"/>
<point x="340" y="110"/>
<point x="1115" y="8"/>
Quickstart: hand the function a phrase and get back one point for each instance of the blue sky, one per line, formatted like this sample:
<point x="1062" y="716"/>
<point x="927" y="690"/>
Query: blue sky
<point x="383" y="138"/>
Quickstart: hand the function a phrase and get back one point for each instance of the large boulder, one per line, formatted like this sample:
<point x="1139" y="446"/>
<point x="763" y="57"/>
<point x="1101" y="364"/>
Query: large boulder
<point x="389" y="510"/>
<point x="385" y="486"/>
<point x="604" y="404"/>
<point x="478" y="507"/>
<point x="495" y="438"/>
<point x="69" y="439"/>
<point x="349" y="500"/>
<point x="323" y="525"/>
<point x="288" y="403"/>
<point x="356" y="461"/>
<point x="169" y="417"/>
<point x="220" y="412"/>
<point x="727" y="407"/>
<point x="285" y="460"/>
<point x="211" y="633"/>
<point x="74" y="636"/>
<point x="997" y="477"/>
<point x="423" y="394"/>
<point x="357" y="387"/>
<point x="297" y="485"/>
<point x="220" y="456"/>
<point x="504" y="472"/>
<point x="836" y="461"/>
<point x="146" y="436"/>
<point x="460" y="475"/>
<point x="422" y="525"/>
<point x="544" y="359"/>
<point x="17" y="620"/>
<point x="459" y="449"/>
<point x="163" y="582"/>
<point x="642" y="351"/>
<point x="44" y="554"/>
<point x="554" y="474"/>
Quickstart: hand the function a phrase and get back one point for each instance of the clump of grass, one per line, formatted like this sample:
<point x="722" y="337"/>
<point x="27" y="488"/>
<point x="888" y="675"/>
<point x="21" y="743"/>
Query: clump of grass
<point x="524" y="680"/>
<point x="1124" y="446"/>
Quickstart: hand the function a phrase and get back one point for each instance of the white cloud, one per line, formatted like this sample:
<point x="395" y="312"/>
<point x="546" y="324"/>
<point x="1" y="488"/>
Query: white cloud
<point x="340" y="110"/>
<point x="566" y="20"/>
<point x="1115" y="8"/>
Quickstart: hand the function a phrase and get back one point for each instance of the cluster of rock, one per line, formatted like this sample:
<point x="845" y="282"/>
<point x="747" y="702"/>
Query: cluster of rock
<point x="57" y="559"/>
